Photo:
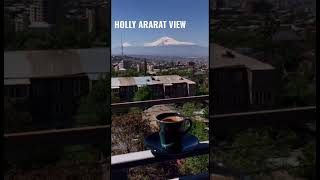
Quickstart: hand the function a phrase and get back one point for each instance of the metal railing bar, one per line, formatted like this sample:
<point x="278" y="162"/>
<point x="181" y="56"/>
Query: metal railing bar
<point x="200" y="176"/>
<point x="159" y="101"/>
<point x="295" y="109"/>
<point x="70" y="165"/>
<point x="227" y="148"/>
<point x="55" y="131"/>
<point x="59" y="137"/>
<point x="289" y="117"/>
<point x="146" y="157"/>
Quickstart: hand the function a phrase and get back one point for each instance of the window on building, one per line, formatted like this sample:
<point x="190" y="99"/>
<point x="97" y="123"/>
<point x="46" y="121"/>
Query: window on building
<point x="12" y="91"/>
<point x="239" y="76"/>
<point x="19" y="92"/>
<point x="59" y="108"/>
<point x="77" y="86"/>
<point x="59" y="86"/>
<point x="6" y="91"/>
<point x="269" y="96"/>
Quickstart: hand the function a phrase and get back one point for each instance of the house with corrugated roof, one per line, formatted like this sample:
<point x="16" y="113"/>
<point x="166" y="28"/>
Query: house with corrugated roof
<point x="52" y="81"/>
<point x="161" y="86"/>
<point x="240" y="83"/>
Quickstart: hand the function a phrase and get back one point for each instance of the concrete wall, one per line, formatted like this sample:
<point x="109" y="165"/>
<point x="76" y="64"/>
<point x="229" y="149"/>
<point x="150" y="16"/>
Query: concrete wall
<point x="230" y="90"/>
<point x="264" y="89"/>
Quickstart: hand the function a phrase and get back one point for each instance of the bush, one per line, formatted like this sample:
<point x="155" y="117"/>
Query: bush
<point x="144" y="93"/>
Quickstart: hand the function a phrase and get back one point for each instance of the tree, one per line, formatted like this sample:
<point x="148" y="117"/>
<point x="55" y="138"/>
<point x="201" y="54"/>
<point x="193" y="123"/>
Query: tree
<point x="21" y="121"/>
<point x="131" y="73"/>
<point x="114" y="98"/>
<point x="299" y="92"/>
<point x="203" y="89"/>
<point x="94" y="108"/>
<point x="14" y="120"/>
<point x="186" y="72"/>
<point x="144" y="93"/>
<point x="114" y="73"/>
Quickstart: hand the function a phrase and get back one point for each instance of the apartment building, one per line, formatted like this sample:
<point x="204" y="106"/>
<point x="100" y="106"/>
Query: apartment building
<point x="161" y="86"/>
<point x="240" y="83"/>
<point x="52" y="82"/>
<point x="43" y="14"/>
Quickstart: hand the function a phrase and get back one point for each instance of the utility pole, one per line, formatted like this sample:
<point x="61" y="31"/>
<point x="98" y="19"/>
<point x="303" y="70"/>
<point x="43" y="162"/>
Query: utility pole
<point x="121" y="46"/>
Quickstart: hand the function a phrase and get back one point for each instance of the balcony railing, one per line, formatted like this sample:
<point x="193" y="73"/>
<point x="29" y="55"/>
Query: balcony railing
<point x="159" y="101"/>
<point x="121" y="163"/>
<point x="294" y="117"/>
<point x="146" y="157"/>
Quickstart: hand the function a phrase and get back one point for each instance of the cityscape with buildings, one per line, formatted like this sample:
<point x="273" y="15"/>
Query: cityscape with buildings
<point x="38" y="24"/>
<point x="78" y="102"/>
<point x="159" y="65"/>
<point x="279" y="35"/>
<point x="144" y="78"/>
<point x="56" y="55"/>
<point x="166" y="71"/>
<point x="262" y="58"/>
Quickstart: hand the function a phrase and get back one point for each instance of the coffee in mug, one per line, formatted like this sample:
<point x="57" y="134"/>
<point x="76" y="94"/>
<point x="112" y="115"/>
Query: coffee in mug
<point x="173" y="127"/>
<point x="172" y="119"/>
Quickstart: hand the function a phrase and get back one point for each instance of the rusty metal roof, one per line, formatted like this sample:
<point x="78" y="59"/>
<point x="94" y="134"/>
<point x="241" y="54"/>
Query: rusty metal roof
<point x="52" y="63"/>
<point x="116" y="82"/>
<point x="224" y="57"/>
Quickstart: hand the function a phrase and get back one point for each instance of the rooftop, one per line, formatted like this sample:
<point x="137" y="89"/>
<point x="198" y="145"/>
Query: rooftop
<point x="224" y="57"/>
<point x="116" y="82"/>
<point x="55" y="63"/>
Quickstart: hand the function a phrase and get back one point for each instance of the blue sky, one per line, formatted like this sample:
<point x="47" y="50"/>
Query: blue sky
<point x="195" y="12"/>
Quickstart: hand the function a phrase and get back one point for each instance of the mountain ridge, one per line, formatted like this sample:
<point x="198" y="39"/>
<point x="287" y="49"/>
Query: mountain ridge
<point x="164" y="46"/>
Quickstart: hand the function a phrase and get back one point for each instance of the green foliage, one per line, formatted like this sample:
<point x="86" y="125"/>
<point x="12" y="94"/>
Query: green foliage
<point x="114" y="98"/>
<point x="128" y="73"/>
<point x="307" y="162"/>
<point x="186" y="72"/>
<point x="190" y="107"/>
<point x="199" y="130"/>
<point x="248" y="158"/>
<point x="253" y="147"/>
<point x="65" y="36"/>
<point x="197" y="165"/>
<point x="132" y="73"/>
<point x="37" y="157"/>
<point x="14" y="120"/>
<point x="239" y="39"/>
<point x="136" y="110"/>
<point x="206" y="112"/>
<point x="94" y="108"/>
<point x="143" y="93"/>
<point x="200" y="164"/>
<point x="299" y="92"/>
<point x="203" y="89"/>
<point x="114" y="73"/>
<point x="80" y="153"/>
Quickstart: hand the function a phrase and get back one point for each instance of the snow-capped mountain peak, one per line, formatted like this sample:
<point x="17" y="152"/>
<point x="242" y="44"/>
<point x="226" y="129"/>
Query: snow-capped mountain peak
<point x="126" y="44"/>
<point x="165" y="41"/>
